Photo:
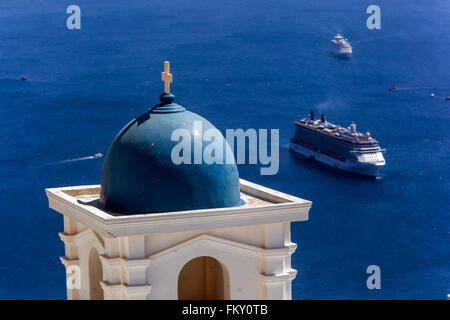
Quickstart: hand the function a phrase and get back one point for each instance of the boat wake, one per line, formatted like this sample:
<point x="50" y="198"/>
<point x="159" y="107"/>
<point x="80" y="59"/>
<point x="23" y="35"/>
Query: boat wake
<point x="422" y="88"/>
<point x="95" y="156"/>
<point x="23" y="78"/>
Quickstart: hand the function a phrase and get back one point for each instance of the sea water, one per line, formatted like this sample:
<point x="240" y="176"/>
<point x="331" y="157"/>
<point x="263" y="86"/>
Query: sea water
<point x="240" y="64"/>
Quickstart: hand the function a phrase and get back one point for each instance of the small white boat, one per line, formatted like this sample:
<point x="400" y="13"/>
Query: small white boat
<point x="341" y="46"/>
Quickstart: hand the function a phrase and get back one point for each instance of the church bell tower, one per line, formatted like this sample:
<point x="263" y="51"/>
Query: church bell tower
<point x="155" y="229"/>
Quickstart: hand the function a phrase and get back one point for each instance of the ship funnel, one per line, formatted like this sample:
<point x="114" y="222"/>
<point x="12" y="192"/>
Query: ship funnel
<point x="311" y="115"/>
<point x="353" y="127"/>
<point x="323" y="118"/>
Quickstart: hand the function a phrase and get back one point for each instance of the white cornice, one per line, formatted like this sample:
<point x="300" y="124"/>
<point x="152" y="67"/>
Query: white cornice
<point x="69" y="262"/>
<point x="133" y="292"/>
<point x="129" y="263"/>
<point x="226" y="245"/>
<point x="111" y="261"/>
<point x="86" y="235"/>
<point x="211" y="241"/>
<point x="281" y="208"/>
<point x="138" y="292"/>
<point x="279" y="278"/>
<point x="288" y="249"/>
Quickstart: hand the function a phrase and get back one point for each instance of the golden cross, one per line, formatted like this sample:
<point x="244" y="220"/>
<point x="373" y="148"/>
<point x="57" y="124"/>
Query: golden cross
<point x="166" y="76"/>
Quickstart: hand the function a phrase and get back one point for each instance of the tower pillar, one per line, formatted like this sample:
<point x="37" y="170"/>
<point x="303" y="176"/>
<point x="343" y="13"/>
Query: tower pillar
<point x="125" y="274"/>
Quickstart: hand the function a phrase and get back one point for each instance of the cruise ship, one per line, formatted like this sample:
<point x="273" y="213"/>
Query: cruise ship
<point x="341" y="47"/>
<point x="338" y="147"/>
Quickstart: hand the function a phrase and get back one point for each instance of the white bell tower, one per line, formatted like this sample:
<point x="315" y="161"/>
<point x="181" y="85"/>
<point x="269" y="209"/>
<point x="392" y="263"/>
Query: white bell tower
<point x="239" y="249"/>
<point x="225" y="253"/>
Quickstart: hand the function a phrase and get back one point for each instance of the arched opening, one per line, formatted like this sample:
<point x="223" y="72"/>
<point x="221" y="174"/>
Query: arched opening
<point x="204" y="278"/>
<point x="95" y="276"/>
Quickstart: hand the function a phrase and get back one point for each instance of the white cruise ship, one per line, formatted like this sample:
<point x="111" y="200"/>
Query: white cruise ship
<point x="338" y="147"/>
<point x="341" y="47"/>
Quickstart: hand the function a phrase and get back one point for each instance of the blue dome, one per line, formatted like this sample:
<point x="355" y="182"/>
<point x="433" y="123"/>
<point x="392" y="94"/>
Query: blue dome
<point x="139" y="175"/>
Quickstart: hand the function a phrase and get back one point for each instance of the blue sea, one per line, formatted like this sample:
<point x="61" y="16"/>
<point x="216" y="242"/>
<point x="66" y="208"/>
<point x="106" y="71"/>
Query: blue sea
<point x="240" y="64"/>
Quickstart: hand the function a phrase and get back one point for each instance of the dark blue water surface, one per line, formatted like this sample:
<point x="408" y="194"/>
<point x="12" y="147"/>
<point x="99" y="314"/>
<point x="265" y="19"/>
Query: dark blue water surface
<point x="240" y="64"/>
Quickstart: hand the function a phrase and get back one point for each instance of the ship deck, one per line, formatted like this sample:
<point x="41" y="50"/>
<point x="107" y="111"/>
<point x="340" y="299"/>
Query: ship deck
<point x="334" y="133"/>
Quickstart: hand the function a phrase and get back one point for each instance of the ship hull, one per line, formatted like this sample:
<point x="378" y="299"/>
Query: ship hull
<point x="367" y="169"/>
<point x="342" y="53"/>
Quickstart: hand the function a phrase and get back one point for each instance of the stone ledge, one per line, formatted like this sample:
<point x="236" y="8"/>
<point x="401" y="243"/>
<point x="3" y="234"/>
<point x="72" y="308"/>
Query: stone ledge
<point x="274" y="207"/>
